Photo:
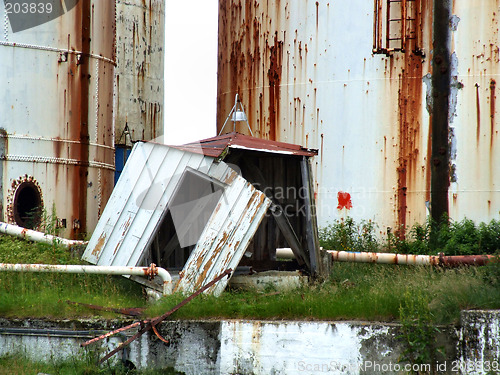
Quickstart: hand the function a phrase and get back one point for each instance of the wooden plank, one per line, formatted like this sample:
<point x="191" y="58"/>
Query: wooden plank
<point x="214" y="235"/>
<point x="312" y="236"/>
<point x="252" y="217"/>
<point x="289" y="234"/>
<point x="126" y="199"/>
<point x="148" y="223"/>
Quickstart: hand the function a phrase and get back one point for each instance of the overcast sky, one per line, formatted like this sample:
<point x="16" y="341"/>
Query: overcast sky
<point x="190" y="70"/>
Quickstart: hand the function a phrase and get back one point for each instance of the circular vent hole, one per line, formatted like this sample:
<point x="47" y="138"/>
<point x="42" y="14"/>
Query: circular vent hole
<point x="28" y="206"/>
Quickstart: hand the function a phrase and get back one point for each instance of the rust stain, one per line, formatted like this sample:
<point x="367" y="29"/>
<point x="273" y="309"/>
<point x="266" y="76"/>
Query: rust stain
<point x="478" y="115"/>
<point x="78" y="71"/>
<point x="126" y="226"/>
<point x="428" y="169"/>
<point x="202" y="276"/>
<point x="117" y="247"/>
<point x="250" y="64"/>
<point x="410" y="119"/>
<point x="492" y="110"/>
<point x="99" y="246"/>
<point x="230" y="177"/>
<point x="274" y="77"/>
<point x="317" y="15"/>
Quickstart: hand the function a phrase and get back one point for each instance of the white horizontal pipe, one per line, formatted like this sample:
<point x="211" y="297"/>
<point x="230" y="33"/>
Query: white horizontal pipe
<point x="104" y="270"/>
<point x="362" y="257"/>
<point x="390" y="258"/>
<point x="35" y="236"/>
<point x="284" y="253"/>
<point x="384" y="258"/>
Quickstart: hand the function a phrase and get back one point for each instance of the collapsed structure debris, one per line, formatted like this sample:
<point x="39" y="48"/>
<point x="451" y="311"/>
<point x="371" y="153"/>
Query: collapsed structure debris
<point x="197" y="209"/>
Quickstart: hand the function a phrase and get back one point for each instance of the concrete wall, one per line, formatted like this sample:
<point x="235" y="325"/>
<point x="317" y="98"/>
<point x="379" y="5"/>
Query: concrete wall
<point x="270" y="347"/>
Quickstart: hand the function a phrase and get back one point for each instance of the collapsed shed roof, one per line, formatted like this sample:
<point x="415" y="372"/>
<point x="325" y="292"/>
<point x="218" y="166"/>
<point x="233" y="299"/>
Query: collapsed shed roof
<point x="216" y="146"/>
<point x="182" y="206"/>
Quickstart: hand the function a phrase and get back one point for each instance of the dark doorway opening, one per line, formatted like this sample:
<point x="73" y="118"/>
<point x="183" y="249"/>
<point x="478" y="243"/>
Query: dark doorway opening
<point x="192" y="205"/>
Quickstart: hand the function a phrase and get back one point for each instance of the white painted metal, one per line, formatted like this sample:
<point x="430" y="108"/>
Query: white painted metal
<point x="285" y="253"/>
<point x="41" y="102"/>
<point x="141" y="197"/>
<point x="384" y="258"/>
<point x="35" y="236"/>
<point x="137" y="203"/>
<point x="100" y="270"/>
<point x="306" y="74"/>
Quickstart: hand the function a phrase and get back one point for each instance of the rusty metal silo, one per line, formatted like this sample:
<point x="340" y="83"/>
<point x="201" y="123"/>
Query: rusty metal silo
<point x="56" y="117"/>
<point x="140" y="35"/>
<point x="140" y="29"/>
<point x="355" y="80"/>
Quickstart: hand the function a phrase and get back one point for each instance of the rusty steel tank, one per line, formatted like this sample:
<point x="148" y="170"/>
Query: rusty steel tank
<point x="140" y="33"/>
<point x="402" y="127"/>
<point x="56" y="116"/>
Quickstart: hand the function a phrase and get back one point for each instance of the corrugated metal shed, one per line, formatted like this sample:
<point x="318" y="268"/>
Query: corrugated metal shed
<point x="157" y="180"/>
<point x="282" y="171"/>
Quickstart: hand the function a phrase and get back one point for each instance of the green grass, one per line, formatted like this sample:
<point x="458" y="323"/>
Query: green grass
<point x="357" y="292"/>
<point x="451" y="237"/>
<point x="18" y="364"/>
<point x="45" y="294"/>
<point x="353" y="292"/>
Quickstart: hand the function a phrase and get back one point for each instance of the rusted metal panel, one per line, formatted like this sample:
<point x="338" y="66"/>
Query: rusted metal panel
<point x="56" y="105"/>
<point x="147" y="188"/>
<point x="140" y="33"/>
<point x="474" y="123"/>
<point x="313" y="80"/>
<point x="225" y="237"/>
<point x="216" y="146"/>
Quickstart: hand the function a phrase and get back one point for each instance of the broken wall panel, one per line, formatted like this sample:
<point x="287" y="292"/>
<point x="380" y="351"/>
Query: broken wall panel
<point x="153" y="184"/>
<point x="225" y="237"/>
<point x="137" y="203"/>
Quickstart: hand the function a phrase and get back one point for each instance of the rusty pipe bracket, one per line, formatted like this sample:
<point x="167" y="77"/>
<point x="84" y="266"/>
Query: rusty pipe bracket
<point x="441" y="261"/>
<point x="151" y="271"/>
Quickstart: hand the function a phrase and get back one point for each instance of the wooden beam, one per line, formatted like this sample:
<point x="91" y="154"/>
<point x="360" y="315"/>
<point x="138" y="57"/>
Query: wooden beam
<point x="312" y="237"/>
<point x="279" y="215"/>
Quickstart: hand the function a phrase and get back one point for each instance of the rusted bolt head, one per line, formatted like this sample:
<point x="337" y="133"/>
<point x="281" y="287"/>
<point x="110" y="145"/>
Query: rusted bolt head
<point x="438" y="59"/>
<point x="442" y="150"/>
<point x="436" y="162"/>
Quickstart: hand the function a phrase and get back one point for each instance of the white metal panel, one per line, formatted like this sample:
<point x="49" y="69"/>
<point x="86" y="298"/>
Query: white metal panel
<point x="140" y="33"/>
<point x="306" y="74"/>
<point x="226" y="236"/>
<point x="138" y="202"/>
